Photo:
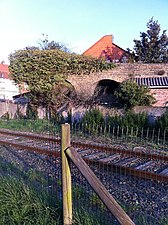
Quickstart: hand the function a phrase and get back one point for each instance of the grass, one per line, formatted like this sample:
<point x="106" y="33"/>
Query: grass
<point x="39" y="126"/>
<point x="23" y="202"/>
<point x="84" y="218"/>
<point x="19" y="204"/>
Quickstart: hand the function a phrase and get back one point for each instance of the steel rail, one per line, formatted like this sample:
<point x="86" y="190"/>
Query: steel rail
<point x="105" y="165"/>
<point x="128" y="170"/>
<point x="30" y="148"/>
<point x="91" y="146"/>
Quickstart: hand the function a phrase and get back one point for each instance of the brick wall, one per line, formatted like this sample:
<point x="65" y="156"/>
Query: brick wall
<point x="11" y="108"/>
<point x="161" y="95"/>
<point x="86" y="84"/>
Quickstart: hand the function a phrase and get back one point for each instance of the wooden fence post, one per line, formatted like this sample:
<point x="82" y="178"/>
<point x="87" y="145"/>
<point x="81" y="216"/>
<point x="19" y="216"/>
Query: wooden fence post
<point x="66" y="176"/>
<point x="99" y="188"/>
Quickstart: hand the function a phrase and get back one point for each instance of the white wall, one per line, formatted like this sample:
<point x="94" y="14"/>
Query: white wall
<point x="8" y="89"/>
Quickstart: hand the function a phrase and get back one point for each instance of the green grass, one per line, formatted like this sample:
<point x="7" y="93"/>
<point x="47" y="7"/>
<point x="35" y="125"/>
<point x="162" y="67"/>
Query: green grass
<point x="39" y="126"/>
<point x="82" y="217"/>
<point x="19" y="204"/>
<point x="22" y="201"/>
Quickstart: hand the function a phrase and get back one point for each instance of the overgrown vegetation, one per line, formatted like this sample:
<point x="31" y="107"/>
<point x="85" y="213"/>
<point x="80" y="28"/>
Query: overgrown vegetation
<point x="45" y="72"/>
<point x="95" y="119"/>
<point x="130" y="94"/>
<point x="129" y="126"/>
<point x="24" y="200"/>
<point x="162" y="122"/>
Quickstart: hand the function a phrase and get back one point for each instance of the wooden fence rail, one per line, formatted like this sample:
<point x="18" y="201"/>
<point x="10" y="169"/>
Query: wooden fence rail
<point x="70" y="153"/>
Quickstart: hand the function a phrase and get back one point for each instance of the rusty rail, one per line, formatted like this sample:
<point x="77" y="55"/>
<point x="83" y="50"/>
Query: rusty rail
<point x="113" y="167"/>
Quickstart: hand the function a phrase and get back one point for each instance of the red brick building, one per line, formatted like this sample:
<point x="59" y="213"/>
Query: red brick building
<point x="105" y="48"/>
<point x="4" y="71"/>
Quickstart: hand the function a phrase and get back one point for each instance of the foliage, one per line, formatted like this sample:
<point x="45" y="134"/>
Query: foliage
<point x="20" y="205"/>
<point x="82" y="217"/>
<point x="131" y="94"/>
<point x="153" y="47"/>
<point x="130" y="120"/>
<point x="93" y="120"/>
<point x="31" y="112"/>
<point x="5" y="116"/>
<point x="131" y="56"/>
<point x="162" y="122"/>
<point x="45" y="73"/>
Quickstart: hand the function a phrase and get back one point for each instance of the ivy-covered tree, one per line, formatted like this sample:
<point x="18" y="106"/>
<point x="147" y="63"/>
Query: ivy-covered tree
<point x="153" y="47"/>
<point x="45" y="73"/>
<point x="130" y="94"/>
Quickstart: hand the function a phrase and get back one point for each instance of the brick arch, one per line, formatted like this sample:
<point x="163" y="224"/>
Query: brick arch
<point x="106" y="86"/>
<point x="86" y="84"/>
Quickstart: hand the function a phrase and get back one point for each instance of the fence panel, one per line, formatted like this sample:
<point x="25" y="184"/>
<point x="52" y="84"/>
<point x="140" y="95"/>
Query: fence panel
<point x="143" y="199"/>
<point x="113" y="152"/>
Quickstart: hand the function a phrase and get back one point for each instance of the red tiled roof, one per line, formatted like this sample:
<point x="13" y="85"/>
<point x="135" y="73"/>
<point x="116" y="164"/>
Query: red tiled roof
<point x="104" y="48"/>
<point x="4" y="71"/>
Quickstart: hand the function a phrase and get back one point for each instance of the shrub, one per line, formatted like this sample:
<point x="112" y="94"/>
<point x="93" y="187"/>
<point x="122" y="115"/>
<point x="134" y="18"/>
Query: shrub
<point x="31" y="112"/>
<point x="162" y="122"/>
<point x="93" y="120"/>
<point x="130" y="120"/>
<point x="131" y="94"/>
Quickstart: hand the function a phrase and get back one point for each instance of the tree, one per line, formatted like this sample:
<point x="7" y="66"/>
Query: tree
<point x="130" y="94"/>
<point x="45" y="73"/>
<point x="153" y="47"/>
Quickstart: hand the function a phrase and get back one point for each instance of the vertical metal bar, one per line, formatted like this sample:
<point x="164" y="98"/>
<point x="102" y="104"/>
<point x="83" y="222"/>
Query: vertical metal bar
<point x="66" y="176"/>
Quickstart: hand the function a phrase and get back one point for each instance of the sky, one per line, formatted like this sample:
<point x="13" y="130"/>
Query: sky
<point x="76" y="23"/>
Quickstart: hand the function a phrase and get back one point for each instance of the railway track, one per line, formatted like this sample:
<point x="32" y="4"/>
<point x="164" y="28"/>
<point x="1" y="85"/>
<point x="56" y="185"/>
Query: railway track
<point x="136" y="163"/>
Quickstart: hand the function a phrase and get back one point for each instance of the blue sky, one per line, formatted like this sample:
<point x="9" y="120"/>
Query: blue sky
<point x="77" y="23"/>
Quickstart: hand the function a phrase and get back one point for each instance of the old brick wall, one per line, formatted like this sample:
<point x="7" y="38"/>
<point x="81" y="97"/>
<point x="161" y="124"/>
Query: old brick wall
<point x="86" y="84"/>
<point x="11" y="108"/>
<point x="161" y="95"/>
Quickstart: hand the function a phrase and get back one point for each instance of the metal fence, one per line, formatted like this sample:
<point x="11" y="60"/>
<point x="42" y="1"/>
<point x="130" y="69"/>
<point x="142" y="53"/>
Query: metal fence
<point x="108" y="152"/>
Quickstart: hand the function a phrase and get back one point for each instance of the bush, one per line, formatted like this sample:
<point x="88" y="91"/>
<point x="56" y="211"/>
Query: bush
<point x="131" y="94"/>
<point x="93" y="120"/>
<point x="31" y="112"/>
<point x="162" y="122"/>
<point x="130" y="120"/>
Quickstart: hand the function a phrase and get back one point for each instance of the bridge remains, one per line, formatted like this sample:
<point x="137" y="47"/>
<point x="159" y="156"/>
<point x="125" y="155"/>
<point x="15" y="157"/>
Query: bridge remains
<point x="86" y="84"/>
